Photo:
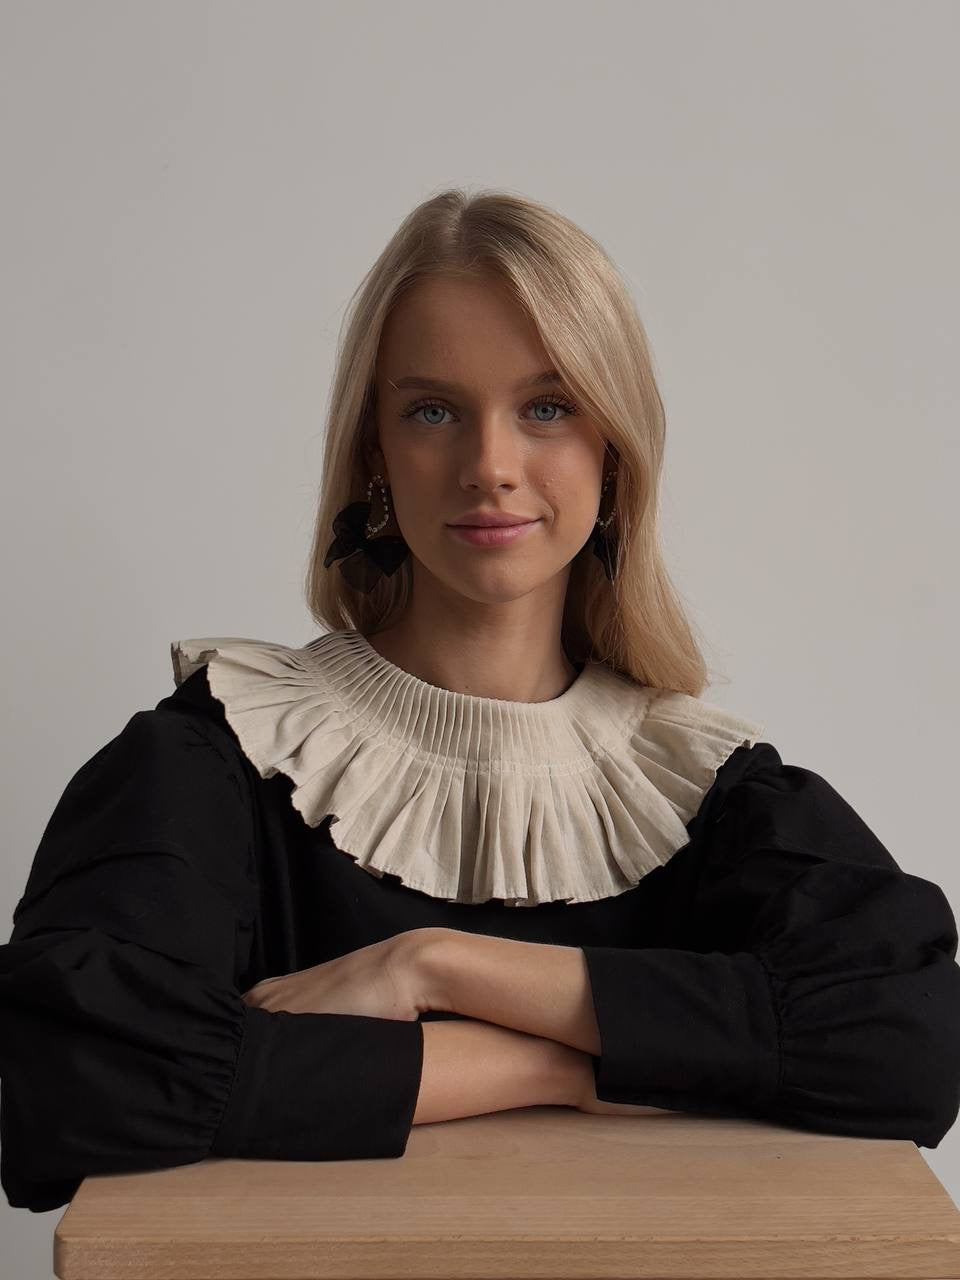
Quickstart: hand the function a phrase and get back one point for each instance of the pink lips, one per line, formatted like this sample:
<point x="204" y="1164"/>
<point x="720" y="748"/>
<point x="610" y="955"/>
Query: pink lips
<point x="491" y="535"/>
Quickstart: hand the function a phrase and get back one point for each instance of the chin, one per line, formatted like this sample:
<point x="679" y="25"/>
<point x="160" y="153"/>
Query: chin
<point x="498" y="584"/>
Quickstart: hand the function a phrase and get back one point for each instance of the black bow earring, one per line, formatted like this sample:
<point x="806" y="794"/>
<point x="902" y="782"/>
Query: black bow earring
<point x="605" y="544"/>
<point x="365" y="559"/>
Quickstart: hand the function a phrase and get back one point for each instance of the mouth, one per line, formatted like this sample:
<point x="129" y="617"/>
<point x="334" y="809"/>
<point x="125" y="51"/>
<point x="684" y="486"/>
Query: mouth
<point x="491" y="535"/>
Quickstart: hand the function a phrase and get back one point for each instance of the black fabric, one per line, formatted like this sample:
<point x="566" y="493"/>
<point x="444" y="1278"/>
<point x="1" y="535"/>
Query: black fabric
<point x="124" y="1041"/>
<point x="779" y="965"/>
<point x="798" y="975"/>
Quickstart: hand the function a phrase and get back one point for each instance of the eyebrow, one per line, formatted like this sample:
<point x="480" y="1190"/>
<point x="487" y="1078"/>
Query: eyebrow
<point x="438" y="384"/>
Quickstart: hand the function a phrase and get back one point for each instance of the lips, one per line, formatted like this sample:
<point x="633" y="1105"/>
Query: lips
<point x="492" y="520"/>
<point x="492" y="535"/>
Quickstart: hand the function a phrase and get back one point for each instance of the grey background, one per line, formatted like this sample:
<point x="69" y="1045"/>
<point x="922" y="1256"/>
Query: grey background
<point x="191" y="191"/>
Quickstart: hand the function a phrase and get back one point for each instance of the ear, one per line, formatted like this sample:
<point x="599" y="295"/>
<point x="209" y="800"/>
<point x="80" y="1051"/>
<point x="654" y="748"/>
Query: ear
<point x="372" y="456"/>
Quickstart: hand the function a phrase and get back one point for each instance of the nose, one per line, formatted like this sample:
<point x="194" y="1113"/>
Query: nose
<point x="492" y="453"/>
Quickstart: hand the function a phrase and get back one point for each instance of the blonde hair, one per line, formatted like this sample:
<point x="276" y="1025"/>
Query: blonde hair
<point x="594" y="337"/>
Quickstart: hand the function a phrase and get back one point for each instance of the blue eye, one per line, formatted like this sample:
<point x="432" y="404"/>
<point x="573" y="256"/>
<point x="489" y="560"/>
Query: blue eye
<point x="545" y="400"/>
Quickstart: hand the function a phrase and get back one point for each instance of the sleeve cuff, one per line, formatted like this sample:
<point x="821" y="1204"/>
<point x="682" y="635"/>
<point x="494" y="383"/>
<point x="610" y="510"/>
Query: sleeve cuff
<point x="319" y="1086"/>
<point x="684" y="1031"/>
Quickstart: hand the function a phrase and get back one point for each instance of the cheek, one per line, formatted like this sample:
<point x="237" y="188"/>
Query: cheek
<point x="570" y="489"/>
<point x="418" y="489"/>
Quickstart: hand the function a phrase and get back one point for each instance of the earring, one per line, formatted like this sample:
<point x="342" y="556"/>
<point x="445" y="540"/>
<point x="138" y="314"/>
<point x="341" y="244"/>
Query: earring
<point x="605" y="544"/>
<point x="363" y="558"/>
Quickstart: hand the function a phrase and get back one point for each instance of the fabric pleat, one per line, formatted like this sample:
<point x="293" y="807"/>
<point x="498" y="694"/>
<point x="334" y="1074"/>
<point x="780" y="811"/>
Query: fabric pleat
<point x="467" y="798"/>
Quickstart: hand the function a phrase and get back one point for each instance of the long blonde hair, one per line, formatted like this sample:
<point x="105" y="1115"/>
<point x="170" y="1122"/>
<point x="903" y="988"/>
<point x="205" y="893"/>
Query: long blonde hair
<point x="590" y="328"/>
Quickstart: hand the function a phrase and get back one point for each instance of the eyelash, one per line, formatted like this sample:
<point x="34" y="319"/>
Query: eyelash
<point x="569" y="409"/>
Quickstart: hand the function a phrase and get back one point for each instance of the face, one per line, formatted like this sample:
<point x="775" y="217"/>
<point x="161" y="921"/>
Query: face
<point x="482" y="442"/>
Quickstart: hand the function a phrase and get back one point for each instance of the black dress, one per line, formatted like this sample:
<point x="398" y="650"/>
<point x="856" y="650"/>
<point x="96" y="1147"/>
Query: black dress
<point x="779" y="965"/>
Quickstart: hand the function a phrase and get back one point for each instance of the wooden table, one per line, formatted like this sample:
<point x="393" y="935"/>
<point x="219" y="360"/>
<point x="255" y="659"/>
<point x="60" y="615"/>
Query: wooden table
<point x="545" y="1192"/>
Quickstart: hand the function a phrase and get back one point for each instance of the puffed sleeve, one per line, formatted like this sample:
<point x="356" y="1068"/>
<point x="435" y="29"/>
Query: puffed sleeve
<point x="125" y="1043"/>
<point x="789" y="970"/>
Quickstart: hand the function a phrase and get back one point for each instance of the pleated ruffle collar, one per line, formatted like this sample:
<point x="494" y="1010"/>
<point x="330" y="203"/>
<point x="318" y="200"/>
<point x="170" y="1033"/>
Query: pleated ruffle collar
<point x="467" y="798"/>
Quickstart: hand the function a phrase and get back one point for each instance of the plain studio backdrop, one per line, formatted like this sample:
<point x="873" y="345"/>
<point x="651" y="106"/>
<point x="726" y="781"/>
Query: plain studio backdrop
<point x="191" y="192"/>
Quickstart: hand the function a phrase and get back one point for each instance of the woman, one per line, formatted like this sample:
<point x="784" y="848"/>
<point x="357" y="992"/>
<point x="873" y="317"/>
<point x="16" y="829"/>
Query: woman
<point x="480" y="844"/>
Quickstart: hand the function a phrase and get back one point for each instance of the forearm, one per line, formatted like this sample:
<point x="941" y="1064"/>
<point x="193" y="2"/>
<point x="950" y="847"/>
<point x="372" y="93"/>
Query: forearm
<point x="470" y="1068"/>
<point x="535" y="988"/>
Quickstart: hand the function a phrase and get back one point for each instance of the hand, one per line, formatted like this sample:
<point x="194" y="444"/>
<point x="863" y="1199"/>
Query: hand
<point x="382" y="980"/>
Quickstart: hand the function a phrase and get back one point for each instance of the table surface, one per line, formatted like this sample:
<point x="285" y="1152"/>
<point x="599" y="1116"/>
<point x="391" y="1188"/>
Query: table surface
<point x="545" y="1192"/>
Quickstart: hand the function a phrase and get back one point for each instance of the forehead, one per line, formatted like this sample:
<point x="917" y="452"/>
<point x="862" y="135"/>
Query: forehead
<point x="461" y="330"/>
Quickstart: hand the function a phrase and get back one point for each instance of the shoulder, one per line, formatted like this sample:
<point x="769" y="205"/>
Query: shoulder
<point x="164" y="739"/>
<point x="167" y="788"/>
<point x="194" y="703"/>
<point x="759" y="802"/>
<point x="182" y="749"/>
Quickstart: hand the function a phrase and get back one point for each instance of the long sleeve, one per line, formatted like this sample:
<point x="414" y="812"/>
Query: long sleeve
<point x="794" y="973"/>
<point x="125" y="1043"/>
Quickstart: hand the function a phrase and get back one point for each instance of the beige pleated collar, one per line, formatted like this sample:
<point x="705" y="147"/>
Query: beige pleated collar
<point x="467" y="798"/>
